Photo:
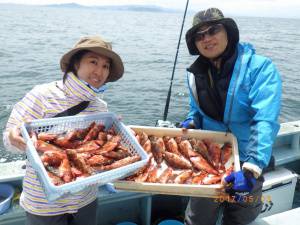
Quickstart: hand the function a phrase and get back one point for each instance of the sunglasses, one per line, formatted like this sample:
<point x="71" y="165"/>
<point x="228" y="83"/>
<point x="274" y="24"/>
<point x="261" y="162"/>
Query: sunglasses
<point x="212" y="30"/>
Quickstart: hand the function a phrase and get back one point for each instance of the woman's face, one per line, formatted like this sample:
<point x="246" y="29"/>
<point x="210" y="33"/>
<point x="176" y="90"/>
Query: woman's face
<point x="211" y="41"/>
<point x="93" y="69"/>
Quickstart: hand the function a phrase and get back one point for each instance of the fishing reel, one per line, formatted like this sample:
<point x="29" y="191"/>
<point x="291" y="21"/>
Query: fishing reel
<point x="165" y="123"/>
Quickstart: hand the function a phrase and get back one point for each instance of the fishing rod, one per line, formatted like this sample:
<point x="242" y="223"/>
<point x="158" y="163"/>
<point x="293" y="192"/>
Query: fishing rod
<point x="174" y="66"/>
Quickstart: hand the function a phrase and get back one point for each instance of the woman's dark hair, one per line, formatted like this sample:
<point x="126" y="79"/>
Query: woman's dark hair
<point x="71" y="66"/>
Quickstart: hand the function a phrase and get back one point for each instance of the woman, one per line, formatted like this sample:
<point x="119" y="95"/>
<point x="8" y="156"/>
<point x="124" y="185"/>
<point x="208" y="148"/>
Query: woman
<point x="232" y="89"/>
<point x="87" y="67"/>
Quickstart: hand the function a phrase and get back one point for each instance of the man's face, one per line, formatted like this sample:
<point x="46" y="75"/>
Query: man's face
<point x="211" y="40"/>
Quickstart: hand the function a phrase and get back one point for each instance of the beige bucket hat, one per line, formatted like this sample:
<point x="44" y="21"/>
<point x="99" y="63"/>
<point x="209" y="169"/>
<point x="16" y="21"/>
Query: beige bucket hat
<point x="98" y="45"/>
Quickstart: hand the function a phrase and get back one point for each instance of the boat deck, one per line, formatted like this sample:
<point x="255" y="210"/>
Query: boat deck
<point x="130" y="206"/>
<point x="291" y="217"/>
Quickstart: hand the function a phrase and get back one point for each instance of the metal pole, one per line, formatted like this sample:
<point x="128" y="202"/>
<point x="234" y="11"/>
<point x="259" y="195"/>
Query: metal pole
<point x="175" y="61"/>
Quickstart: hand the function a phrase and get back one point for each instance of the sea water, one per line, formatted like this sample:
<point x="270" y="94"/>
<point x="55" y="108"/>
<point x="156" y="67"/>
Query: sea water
<point x="33" y="38"/>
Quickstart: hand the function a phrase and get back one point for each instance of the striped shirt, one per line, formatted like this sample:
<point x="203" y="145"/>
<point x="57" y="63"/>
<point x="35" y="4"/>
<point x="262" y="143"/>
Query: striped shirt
<point x="45" y="101"/>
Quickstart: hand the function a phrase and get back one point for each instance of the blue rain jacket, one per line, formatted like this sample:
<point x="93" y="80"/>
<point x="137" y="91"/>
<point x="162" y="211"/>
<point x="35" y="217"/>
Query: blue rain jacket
<point x="252" y="106"/>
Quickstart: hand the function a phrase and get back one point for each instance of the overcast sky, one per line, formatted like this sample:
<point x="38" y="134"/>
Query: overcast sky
<point x="269" y="8"/>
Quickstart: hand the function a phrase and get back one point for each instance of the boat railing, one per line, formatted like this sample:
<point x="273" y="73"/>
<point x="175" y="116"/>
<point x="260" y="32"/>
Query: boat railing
<point x="287" y="145"/>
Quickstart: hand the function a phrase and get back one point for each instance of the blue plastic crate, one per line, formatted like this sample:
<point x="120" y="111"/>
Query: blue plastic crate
<point x="170" y="222"/>
<point x="6" y="192"/>
<point x="59" y="125"/>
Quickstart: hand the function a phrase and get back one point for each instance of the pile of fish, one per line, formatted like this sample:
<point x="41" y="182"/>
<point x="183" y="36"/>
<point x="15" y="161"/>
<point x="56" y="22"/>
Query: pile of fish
<point x="80" y="153"/>
<point x="182" y="160"/>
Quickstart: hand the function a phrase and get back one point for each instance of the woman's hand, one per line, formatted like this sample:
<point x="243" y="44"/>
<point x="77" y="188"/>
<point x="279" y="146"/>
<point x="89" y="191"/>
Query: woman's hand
<point x="16" y="139"/>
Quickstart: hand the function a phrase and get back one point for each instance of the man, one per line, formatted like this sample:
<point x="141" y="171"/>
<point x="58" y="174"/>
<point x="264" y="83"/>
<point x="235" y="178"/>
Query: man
<point x="234" y="90"/>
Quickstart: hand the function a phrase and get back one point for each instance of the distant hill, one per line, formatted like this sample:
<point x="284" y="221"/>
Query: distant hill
<point x="145" y="8"/>
<point x="66" y="5"/>
<point x="149" y="8"/>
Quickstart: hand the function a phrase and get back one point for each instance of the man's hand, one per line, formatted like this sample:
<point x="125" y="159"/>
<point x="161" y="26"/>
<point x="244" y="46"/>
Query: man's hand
<point x="16" y="139"/>
<point x="239" y="184"/>
<point x="188" y="124"/>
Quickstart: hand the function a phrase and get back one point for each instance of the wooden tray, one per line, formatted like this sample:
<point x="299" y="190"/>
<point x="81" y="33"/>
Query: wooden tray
<point x="183" y="189"/>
